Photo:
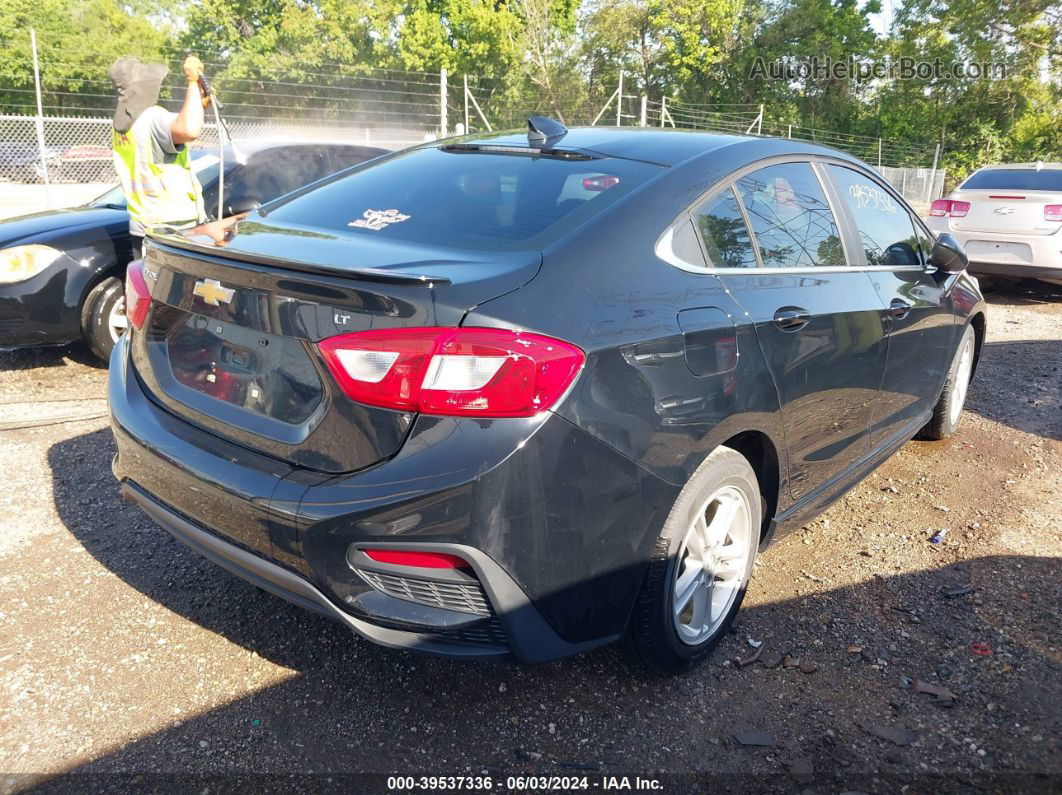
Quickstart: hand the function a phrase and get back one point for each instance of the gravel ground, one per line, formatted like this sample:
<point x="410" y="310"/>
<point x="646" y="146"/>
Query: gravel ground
<point x="125" y="653"/>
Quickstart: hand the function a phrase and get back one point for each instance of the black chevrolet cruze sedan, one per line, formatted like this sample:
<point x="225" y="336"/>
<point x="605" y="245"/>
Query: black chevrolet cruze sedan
<point x="525" y="395"/>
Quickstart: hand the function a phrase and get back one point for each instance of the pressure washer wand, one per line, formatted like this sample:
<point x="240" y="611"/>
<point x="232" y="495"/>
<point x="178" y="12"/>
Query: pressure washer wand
<point x="224" y="137"/>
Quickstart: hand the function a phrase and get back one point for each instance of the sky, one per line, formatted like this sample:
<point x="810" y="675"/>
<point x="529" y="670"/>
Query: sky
<point x="881" y="21"/>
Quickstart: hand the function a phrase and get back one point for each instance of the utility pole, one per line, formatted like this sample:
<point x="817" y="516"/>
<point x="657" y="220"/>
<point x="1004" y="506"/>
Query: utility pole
<point x="466" y="104"/>
<point x="932" y="175"/>
<point x="619" y="100"/>
<point x="40" y="121"/>
<point x="442" y="105"/>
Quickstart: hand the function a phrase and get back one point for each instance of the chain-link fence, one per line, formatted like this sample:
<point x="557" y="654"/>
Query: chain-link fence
<point x="394" y="110"/>
<point x="919" y="186"/>
<point x="78" y="150"/>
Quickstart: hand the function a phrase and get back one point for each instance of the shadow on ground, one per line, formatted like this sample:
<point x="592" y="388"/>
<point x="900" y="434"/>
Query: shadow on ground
<point x="351" y="706"/>
<point x="50" y="356"/>
<point x="1026" y="292"/>
<point x="1019" y="384"/>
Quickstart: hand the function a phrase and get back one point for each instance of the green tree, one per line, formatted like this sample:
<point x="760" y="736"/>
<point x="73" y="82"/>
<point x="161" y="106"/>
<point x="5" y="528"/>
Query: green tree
<point x="77" y="41"/>
<point x="979" y="119"/>
<point x="463" y="36"/>
<point x="625" y="34"/>
<point x="796" y="32"/>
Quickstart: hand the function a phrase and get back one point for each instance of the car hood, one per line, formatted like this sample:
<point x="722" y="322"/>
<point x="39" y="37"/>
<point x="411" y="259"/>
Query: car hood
<point x="39" y="227"/>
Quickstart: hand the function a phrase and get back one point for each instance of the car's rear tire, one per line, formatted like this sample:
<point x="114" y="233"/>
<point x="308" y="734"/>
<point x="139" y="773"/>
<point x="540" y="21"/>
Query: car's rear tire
<point x="708" y="544"/>
<point x="948" y="411"/>
<point x="103" y="316"/>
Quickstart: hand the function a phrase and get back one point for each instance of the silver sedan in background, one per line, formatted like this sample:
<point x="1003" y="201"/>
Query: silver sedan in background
<point x="1009" y="220"/>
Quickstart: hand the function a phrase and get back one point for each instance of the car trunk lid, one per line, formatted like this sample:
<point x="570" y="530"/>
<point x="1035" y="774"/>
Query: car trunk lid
<point x="1019" y="212"/>
<point x="229" y="343"/>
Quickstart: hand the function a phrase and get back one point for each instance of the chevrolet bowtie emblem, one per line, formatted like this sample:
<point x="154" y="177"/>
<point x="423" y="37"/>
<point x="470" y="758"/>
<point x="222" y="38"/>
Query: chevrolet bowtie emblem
<point x="1004" y="210"/>
<point x="211" y="291"/>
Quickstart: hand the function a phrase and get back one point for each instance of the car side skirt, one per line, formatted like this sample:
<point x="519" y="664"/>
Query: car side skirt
<point x="817" y="501"/>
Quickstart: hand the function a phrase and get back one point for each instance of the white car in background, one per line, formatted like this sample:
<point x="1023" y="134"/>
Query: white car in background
<point x="1008" y="219"/>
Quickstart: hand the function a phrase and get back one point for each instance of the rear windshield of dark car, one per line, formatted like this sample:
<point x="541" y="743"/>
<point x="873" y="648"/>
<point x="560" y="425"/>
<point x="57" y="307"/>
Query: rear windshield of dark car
<point x="1016" y="179"/>
<point x="466" y="199"/>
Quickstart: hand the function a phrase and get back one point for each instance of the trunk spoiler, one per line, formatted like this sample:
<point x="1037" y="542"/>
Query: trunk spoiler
<point x="365" y="274"/>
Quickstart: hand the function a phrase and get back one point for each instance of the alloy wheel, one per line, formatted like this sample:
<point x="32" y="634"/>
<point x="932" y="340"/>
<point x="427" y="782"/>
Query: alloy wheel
<point x="712" y="563"/>
<point x="117" y="322"/>
<point x="962" y="381"/>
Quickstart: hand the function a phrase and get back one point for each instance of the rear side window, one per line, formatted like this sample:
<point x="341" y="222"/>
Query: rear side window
<point x="1015" y="179"/>
<point x="726" y="238"/>
<point x="467" y="199"/>
<point x="793" y="225"/>
<point x="885" y="229"/>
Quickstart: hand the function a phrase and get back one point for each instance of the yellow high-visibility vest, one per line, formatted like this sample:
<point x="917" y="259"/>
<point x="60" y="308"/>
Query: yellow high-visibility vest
<point x="156" y="193"/>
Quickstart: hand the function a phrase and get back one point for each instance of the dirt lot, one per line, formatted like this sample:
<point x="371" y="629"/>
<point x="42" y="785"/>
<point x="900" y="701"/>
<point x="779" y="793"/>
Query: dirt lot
<point x="125" y="653"/>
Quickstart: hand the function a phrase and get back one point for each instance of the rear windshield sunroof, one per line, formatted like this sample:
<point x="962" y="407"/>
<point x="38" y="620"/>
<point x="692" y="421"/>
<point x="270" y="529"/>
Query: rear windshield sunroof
<point x="466" y="199"/>
<point x="1015" y="179"/>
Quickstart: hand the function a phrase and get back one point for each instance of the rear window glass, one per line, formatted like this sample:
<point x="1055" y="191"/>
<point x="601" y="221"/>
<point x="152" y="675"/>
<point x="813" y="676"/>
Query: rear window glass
<point x="1016" y="179"/>
<point x="480" y="200"/>
<point x="726" y="238"/>
<point x="793" y="224"/>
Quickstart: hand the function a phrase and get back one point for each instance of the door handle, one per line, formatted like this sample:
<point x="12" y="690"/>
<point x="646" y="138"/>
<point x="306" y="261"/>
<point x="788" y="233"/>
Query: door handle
<point x="898" y="309"/>
<point x="791" y="318"/>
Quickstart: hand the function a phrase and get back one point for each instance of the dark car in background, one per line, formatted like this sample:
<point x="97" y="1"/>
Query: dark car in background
<point x="62" y="271"/>
<point x="525" y="396"/>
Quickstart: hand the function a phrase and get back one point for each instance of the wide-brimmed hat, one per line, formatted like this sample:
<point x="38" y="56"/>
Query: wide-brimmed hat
<point x="138" y="86"/>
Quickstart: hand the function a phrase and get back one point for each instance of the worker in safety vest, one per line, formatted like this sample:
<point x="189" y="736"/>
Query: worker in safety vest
<point x="151" y="154"/>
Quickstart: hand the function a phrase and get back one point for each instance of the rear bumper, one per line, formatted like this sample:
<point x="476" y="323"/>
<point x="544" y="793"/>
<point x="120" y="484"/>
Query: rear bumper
<point x="555" y="525"/>
<point x="1016" y="271"/>
<point x="1002" y="254"/>
<point x="298" y="590"/>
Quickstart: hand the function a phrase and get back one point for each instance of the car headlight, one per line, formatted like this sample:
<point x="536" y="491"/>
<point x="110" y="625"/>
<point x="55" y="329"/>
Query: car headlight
<point x="24" y="262"/>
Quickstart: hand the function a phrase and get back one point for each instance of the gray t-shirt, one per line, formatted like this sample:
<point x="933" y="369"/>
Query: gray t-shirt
<point x="157" y="122"/>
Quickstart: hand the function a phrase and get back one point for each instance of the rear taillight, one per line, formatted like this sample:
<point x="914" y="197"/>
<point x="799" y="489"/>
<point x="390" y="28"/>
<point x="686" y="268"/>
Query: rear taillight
<point x="137" y="297"/>
<point x="949" y="207"/>
<point x="481" y="372"/>
<point x="1053" y="212"/>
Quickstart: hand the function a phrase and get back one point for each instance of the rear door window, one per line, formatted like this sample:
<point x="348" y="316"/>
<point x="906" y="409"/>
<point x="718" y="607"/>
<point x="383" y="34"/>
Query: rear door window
<point x="1015" y="179"/>
<point x="790" y="218"/>
<point x="467" y="199"/>
<point x="885" y="229"/>
<point x="726" y="238"/>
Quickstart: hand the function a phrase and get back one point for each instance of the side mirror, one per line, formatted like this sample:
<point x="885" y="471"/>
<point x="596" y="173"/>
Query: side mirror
<point x="947" y="255"/>
<point x="241" y="204"/>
